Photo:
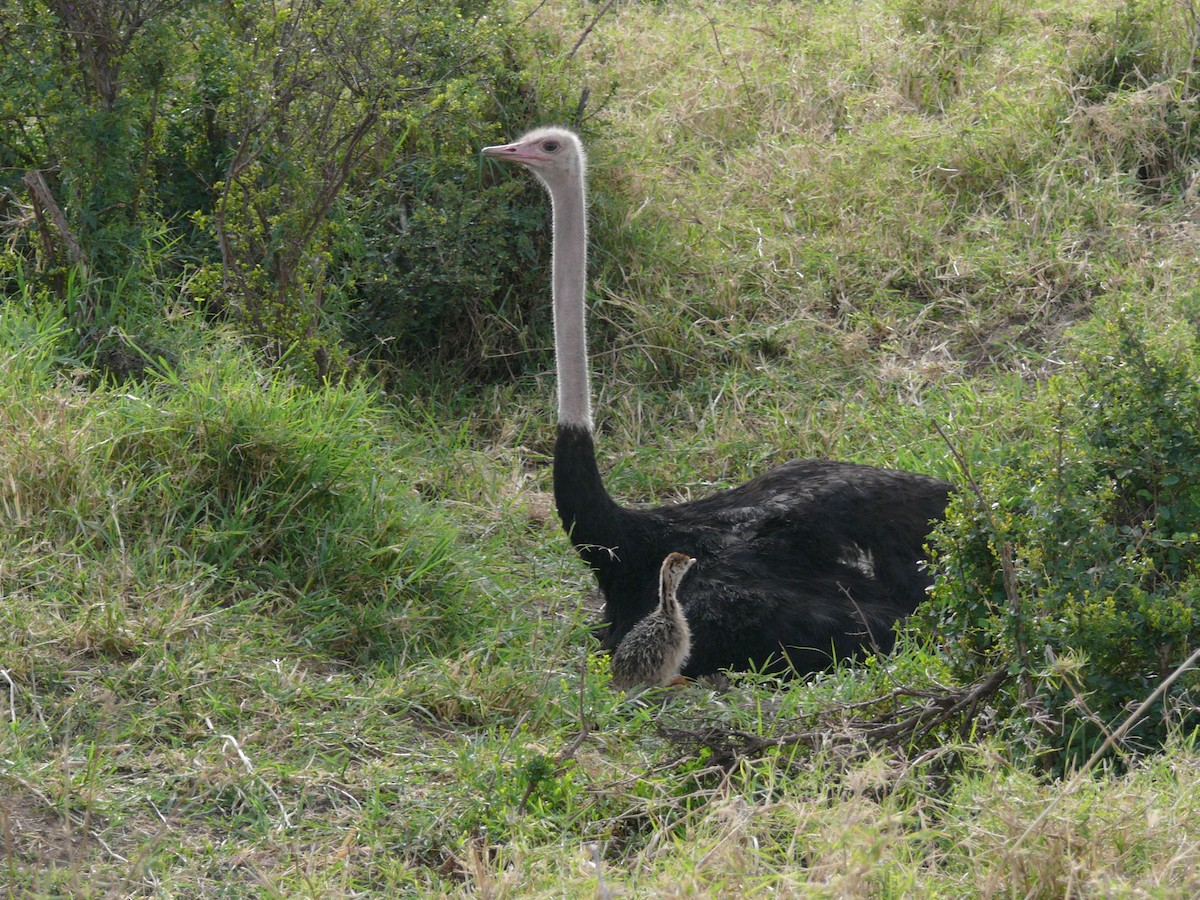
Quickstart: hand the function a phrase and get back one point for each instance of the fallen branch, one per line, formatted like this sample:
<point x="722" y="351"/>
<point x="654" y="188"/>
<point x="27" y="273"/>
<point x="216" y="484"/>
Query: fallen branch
<point x="831" y="729"/>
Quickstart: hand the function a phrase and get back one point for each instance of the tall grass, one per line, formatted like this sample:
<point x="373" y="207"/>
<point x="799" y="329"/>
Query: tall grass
<point x="227" y="477"/>
<point x="948" y="185"/>
<point x="187" y="558"/>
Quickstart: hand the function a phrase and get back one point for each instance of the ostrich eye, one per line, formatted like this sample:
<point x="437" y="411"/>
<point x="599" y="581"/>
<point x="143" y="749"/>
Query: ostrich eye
<point x="550" y="146"/>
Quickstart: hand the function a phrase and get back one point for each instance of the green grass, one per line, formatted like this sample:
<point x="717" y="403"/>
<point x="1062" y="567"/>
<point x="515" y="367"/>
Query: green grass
<point x="263" y="640"/>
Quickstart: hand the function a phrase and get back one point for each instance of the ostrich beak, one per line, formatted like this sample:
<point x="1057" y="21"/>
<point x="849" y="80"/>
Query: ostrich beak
<point x="524" y="154"/>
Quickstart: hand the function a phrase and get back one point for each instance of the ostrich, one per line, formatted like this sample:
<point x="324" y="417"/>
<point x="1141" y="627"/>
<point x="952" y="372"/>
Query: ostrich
<point x="655" y="649"/>
<point x="811" y="562"/>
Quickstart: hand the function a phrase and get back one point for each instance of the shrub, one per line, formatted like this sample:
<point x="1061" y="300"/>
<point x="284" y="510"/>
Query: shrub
<point x="309" y="172"/>
<point x="1076" y="559"/>
<point x="437" y="261"/>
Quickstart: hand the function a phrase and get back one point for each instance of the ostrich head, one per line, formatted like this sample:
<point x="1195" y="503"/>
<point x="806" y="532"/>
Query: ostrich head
<point x="674" y="567"/>
<point x="554" y="155"/>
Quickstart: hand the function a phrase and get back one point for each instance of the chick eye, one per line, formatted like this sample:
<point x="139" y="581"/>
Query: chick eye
<point x="550" y="146"/>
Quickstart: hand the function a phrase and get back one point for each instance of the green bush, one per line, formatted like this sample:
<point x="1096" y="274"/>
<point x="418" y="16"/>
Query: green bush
<point x="439" y="259"/>
<point x="263" y="491"/>
<point x="309" y="172"/>
<point x="1076" y="559"/>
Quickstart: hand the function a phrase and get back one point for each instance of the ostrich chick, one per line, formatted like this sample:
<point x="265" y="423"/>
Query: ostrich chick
<point x="655" y="649"/>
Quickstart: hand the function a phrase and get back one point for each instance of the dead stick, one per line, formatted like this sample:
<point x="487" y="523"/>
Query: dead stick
<point x="1119" y="734"/>
<point x="36" y="182"/>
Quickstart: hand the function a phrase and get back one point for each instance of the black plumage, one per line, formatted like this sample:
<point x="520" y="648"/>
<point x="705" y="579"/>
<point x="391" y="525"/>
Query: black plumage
<point x="817" y="557"/>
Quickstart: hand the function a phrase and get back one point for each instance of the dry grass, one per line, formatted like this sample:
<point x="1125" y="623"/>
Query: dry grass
<point x="920" y="177"/>
<point x="1120" y="835"/>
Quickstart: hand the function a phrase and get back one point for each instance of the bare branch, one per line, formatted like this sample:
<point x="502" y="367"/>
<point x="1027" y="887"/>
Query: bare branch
<point x="44" y="201"/>
<point x="832" y="729"/>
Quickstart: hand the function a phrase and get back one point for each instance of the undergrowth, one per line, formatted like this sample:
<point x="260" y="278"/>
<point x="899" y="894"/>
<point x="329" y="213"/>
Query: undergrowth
<point x="224" y="475"/>
<point x="1073" y="559"/>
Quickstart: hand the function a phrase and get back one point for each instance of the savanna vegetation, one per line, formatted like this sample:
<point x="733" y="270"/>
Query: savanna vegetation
<point x="284" y="606"/>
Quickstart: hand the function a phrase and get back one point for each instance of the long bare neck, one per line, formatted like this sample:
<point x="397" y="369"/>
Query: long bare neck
<point x="569" y="285"/>
<point x="590" y="516"/>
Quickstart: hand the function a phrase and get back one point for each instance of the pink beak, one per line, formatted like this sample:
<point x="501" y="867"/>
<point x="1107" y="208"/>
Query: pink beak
<point x="518" y="153"/>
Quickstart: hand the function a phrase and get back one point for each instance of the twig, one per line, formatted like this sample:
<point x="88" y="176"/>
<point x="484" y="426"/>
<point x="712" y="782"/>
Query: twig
<point x="581" y="106"/>
<point x="944" y="708"/>
<point x="12" y="697"/>
<point x="231" y="741"/>
<point x="592" y="24"/>
<point x="731" y="746"/>
<point x="712" y="24"/>
<point x="533" y="12"/>
<point x="44" y="200"/>
<point x="1117" y="735"/>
